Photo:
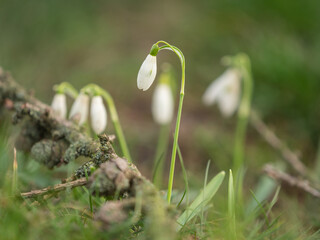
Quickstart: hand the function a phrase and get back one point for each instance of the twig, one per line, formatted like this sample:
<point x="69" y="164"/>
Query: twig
<point x="277" y="144"/>
<point x="292" y="181"/>
<point x="55" y="188"/>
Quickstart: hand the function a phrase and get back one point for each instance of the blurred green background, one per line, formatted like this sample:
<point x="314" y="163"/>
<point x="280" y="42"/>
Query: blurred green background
<point x="46" y="42"/>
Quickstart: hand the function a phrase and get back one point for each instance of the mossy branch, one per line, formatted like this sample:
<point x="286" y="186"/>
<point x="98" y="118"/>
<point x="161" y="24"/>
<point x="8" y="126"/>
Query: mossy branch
<point x="53" y="141"/>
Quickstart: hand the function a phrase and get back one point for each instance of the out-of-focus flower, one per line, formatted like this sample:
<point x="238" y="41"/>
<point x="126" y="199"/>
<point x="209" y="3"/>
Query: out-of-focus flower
<point x="225" y="90"/>
<point x="59" y="105"/>
<point x="80" y="108"/>
<point x="162" y="104"/>
<point x="147" y="72"/>
<point x="98" y="114"/>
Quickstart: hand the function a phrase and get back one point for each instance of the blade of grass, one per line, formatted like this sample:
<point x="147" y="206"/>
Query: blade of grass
<point x="90" y="198"/>
<point x="185" y="176"/>
<point x="155" y="172"/>
<point x="203" y="198"/>
<point x="204" y="187"/>
<point x="183" y="195"/>
<point x="160" y="155"/>
<point x="274" y="200"/>
<point x="231" y="208"/>
<point x="263" y="190"/>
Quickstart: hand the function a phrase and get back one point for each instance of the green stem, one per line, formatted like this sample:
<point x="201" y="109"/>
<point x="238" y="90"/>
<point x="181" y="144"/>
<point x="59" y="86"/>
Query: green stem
<point x="96" y="90"/>
<point x="174" y="149"/>
<point x="66" y="88"/>
<point x="243" y="63"/>
<point x="178" y="52"/>
<point x="185" y="178"/>
<point x="117" y="125"/>
<point x="243" y="113"/>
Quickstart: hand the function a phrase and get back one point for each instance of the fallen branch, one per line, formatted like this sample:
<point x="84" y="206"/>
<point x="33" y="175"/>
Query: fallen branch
<point x="277" y="144"/>
<point x="292" y="181"/>
<point x="55" y="188"/>
<point x="53" y="141"/>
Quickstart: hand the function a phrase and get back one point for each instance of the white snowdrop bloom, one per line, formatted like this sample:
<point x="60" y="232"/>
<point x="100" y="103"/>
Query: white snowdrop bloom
<point x="80" y="108"/>
<point x="59" y="105"/>
<point x="147" y="72"/>
<point x="162" y="104"/>
<point x="225" y="90"/>
<point x="98" y="115"/>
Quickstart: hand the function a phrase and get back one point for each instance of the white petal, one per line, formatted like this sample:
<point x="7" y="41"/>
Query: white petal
<point x="147" y="73"/>
<point x="59" y="105"/>
<point x="162" y="104"/>
<point x="98" y="115"/>
<point x="80" y="108"/>
<point x="212" y="93"/>
<point x="228" y="102"/>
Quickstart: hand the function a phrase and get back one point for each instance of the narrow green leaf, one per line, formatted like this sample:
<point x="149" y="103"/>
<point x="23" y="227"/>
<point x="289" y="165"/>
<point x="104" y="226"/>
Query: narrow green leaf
<point x="202" y="199"/>
<point x="231" y="207"/>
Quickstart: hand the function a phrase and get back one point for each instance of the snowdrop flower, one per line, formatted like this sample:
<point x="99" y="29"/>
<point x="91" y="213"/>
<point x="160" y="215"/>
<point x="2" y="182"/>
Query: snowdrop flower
<point x="225" y="90"/>
<point x="59" y="105"/>
<point x="80" y="108"/>
<point x="162" y="104"/>
<point x="98" y="114"/>
<point x="148" y="70"/>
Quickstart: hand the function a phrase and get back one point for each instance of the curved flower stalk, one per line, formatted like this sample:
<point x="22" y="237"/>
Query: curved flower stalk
<point x="80" y="108"/>
<point x="95" y="90"/>
<point x="225" y="91"/>
<point x="59" y="102"/>
<point x="98" y="115"/>
<point x="66" y="88"/>
<point x="145" y="79"/>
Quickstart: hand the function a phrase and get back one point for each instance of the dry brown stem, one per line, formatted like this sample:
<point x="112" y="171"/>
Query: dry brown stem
<point x="271" y="138"/>
<point x="302" y="184"/>
<point x="55" y="188"/>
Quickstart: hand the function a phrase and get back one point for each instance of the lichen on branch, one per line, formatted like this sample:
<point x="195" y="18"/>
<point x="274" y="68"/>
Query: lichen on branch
<point x="53" y="141"/>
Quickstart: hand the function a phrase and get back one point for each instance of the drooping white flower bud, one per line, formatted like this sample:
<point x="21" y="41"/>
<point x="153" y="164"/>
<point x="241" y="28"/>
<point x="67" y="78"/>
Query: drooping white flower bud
<point x="59" y="105"/>
<point x="147" y="73"/>
<point x="228" y="102"/>
<point x="225" y="90"/>
<point x="98" y="115"/>
<point x="162" y="104"/>
<point x="80" y="108"/>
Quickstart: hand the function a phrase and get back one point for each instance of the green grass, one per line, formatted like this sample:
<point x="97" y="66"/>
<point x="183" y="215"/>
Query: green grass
<point x="69" y="214"/>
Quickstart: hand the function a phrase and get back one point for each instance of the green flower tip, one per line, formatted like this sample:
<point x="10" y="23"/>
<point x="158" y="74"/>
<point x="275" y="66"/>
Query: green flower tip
<point x="58" y="88"/>
<point x="154" y="50"/>
<point x="244" y="59"/>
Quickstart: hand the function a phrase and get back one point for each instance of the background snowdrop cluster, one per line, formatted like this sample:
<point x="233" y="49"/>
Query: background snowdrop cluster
<point x="80" y="110"/>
